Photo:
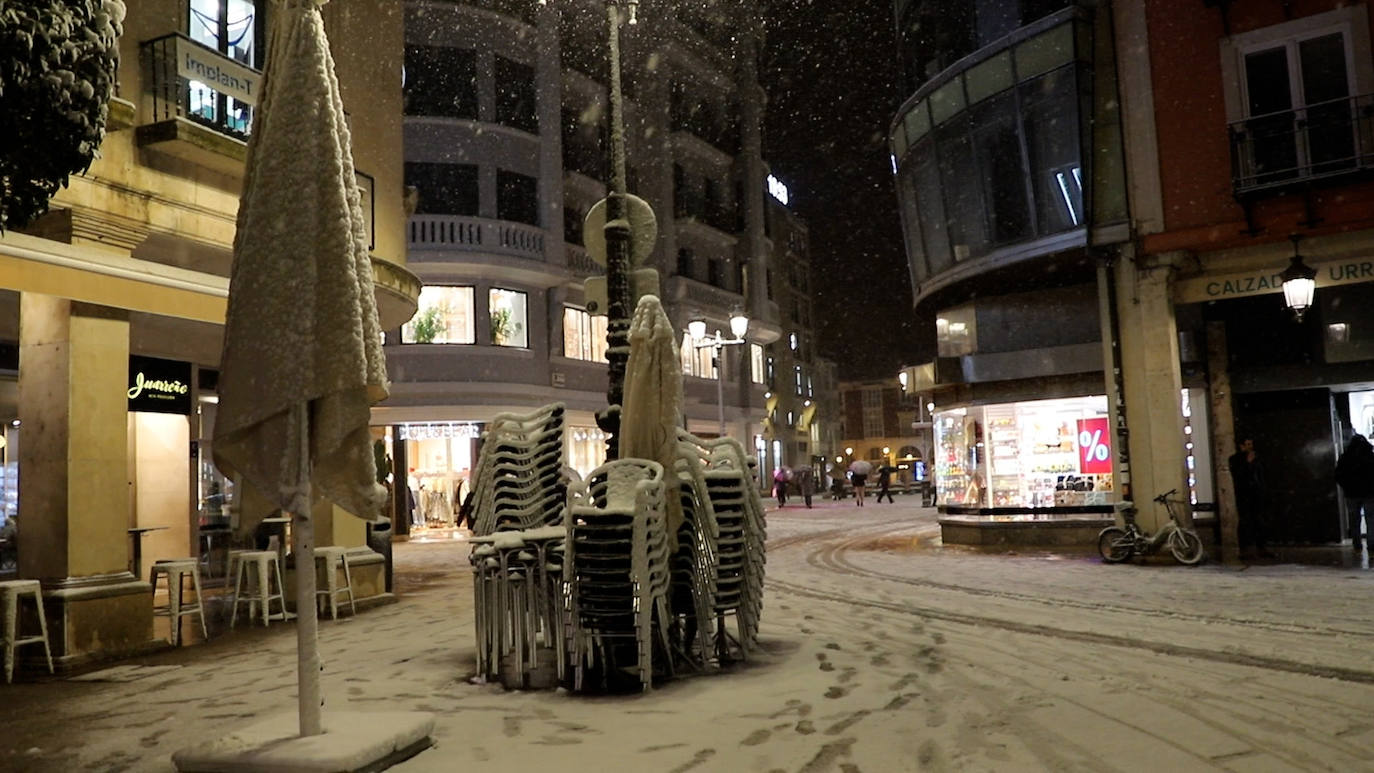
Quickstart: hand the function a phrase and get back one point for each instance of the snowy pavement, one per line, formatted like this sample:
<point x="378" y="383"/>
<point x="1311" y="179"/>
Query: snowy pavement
<point x="884" y="651"/>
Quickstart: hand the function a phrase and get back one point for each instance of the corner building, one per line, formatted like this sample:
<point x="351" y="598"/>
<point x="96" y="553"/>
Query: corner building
<point x="506" y="151"/>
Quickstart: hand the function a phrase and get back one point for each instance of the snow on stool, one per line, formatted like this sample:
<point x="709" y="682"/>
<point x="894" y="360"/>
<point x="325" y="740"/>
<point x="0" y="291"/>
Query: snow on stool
<point x="10" y="593"/>
<point x="253" y="586"/>
<point x="177" y="571"/>
<point x="332" y="556"/>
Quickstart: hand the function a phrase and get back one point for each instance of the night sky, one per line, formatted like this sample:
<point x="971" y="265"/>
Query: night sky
<point x="831" y="73"/>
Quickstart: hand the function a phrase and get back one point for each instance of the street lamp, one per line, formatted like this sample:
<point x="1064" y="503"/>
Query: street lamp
<point x="1299" y="282"/>
<point x="739" y="325"/>
<point x="619" y="298"/>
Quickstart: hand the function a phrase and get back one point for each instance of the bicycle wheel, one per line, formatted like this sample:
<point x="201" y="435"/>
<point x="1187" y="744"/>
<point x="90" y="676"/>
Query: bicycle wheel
<point x="1186" y="546"/>
<point x="1115" y="545"/>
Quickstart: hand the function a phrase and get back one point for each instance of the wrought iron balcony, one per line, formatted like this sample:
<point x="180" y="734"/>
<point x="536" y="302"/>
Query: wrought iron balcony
<point x="1292" y="147"/>
<point x="185" y="79"/>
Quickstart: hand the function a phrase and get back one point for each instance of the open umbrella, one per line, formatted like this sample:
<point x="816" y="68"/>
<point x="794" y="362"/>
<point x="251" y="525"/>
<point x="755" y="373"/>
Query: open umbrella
<point x="652" y="409"/>
<point x="861" y="467"/>
<point x="302" y="362"/>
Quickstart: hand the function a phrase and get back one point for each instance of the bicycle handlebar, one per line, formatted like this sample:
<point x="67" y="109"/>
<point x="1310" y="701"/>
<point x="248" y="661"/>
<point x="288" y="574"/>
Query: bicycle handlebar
<point x="1166" y="495"/>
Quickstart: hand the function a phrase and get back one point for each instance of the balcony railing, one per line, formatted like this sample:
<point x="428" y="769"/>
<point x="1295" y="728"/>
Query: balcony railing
<point x="476" y="234"/>
<point x="580" y="263"/>
<point x="1315" y="142"/>
<point x="192" y="81"/>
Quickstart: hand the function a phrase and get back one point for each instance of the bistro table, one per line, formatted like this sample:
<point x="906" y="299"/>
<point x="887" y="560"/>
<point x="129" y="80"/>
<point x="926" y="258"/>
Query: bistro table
<point x="136" y="536"/>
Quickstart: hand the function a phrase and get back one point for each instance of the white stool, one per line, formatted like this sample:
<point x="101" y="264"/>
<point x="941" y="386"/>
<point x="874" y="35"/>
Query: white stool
<point x="177" y="570"/>
<point x="332" y="556"/>
<point x="10" y="593"/>
<point x="254" y="580"/>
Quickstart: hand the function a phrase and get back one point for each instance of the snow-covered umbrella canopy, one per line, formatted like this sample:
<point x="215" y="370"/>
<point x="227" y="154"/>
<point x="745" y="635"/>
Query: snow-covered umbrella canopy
<point x="861" y="467"/>
<point x="652" y="411"/>
<point x="302" y="362"/>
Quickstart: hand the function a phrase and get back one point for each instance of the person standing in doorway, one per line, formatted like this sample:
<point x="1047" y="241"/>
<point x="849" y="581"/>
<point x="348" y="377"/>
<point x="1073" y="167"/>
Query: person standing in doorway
<point x="885" y="484"/>
<point x="1248" y="476"/>
<point x="1355" y="474"/>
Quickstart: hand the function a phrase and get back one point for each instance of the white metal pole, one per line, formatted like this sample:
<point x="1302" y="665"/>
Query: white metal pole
<point x="307" y="623"/>
<point x="720" y="384"/>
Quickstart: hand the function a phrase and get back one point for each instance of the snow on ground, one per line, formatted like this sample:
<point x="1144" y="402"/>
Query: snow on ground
<point x="884" y="651"/>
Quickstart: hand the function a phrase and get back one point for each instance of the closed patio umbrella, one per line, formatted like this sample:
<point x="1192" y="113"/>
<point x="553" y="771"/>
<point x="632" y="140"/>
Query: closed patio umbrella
<point x="652" y="409"/>
<point x="302" y="362"/>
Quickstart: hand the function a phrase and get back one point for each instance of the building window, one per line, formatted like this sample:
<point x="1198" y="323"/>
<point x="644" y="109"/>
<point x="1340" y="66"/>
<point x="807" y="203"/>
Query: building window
<point x="800" y="383"/>
<point x="1298" y="119"/>
<point x="517" y="197"/>
<point x="440" y="81"/>
<point x="756" y="363"/>
<point x="444" y="316"/>
<point x="231" y="27"/>
<point x="515" y="96"/>
<point x="684" y="262"/>
<point x="509" y="326"/>
<point x="444" y="189"/>
<point x="715" y="273"/>
<point x="872" y="398"/>
<point x="584" y="336"/>
<point x="697" y="362"/>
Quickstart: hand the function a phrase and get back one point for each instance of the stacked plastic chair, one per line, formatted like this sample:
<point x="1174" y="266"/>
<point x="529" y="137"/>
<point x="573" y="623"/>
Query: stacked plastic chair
<point x="617" y="568"/>
<point x="694" y="564"/>
<point x="741" y="529"/>
<point x="519" y="505"/>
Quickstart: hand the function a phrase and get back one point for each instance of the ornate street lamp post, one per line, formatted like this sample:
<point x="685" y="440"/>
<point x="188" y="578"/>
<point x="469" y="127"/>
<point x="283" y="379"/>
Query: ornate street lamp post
<point x="739" y="325"/>
<point x="1299" y="283"/>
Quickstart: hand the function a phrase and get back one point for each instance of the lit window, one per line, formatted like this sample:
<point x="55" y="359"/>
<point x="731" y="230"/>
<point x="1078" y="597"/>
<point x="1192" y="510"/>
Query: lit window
<point x="444" y="317"/>
<point x="508" y="322"/>
<point x="696" y="362"/>
<point x="756" y="363"/>
<point x="584" y="336"/>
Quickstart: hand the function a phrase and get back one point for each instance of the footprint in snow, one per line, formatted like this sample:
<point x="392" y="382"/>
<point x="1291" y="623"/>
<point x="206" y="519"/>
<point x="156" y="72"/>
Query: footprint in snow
<point x="757" y="737"/>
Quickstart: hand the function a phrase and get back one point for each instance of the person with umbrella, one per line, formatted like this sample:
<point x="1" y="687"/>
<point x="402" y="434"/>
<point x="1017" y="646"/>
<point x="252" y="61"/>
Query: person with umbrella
<point x="858" y="476"/>
<point x="780" y="478"/>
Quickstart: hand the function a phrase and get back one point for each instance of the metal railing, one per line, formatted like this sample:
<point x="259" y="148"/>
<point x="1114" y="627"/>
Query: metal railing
<point x="1288" y="147"/>
<point x="460" y="232"/>
<point x="179" y="73"/>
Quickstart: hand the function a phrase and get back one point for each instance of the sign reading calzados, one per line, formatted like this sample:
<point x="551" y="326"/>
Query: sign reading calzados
<point x="1241" y="284"/>
<point x="198" y="63"/>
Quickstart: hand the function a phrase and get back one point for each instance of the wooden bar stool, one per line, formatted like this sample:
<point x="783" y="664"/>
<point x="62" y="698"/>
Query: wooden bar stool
<point x="253" y="585"/>
<point x="332" y="556"/>
<point x="10" y="593"/>
<point x="177" y="571"/>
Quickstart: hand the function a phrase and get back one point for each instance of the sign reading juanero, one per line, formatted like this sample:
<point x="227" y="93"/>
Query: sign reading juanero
<point x="159" y="386"/>
<point x="1238" y="285"/>
<point x="219" y="72"/>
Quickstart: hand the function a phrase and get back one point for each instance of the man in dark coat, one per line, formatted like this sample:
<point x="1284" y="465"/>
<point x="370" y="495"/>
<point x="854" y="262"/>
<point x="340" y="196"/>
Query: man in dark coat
<point x="885" y="483"/>
<point x="1355" y="474"/>
<point x="1248" y="476"/>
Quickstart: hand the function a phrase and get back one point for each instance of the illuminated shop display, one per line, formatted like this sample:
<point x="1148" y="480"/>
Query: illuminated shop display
<point x="1043" y="453"/>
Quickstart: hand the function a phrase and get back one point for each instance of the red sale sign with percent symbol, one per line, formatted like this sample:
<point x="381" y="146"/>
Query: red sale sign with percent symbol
<point x="1094" y="446"/>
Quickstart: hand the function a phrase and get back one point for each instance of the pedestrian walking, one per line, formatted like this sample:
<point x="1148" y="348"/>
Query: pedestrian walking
<point x="780" y="477"/>
<point x="1355" y="475"/>
<point x="885" y="483"/>
<point x="1247" y="474"/>
<point x="858" y="476"/>
<point x="805" y="480"/>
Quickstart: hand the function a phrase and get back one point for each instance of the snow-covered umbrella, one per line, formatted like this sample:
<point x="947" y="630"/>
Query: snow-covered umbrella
<point x="861" y="467"/>
<point x="302" y="362"/>
<point x="652" y="410"/>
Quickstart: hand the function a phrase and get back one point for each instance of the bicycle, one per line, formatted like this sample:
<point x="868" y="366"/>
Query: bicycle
<point x="1117" y="544"/>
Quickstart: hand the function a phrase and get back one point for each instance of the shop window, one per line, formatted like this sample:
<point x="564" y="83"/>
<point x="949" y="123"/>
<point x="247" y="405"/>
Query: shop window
<point x="234" y="28"/>
<point x="584" y="336"/>
<point x="440" y="81"/>
<point x="444" y="189"/>
<point x="509" y="326"/>
<point x="756" y="363"/>
<point x="515" y="96"/>
<point x="517" y="197"/>
<point x="444" y="316"/>
<point x="696" y="361"/>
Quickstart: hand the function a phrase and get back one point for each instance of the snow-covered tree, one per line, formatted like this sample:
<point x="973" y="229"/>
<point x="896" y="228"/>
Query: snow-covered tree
<point x="58" y="62"/>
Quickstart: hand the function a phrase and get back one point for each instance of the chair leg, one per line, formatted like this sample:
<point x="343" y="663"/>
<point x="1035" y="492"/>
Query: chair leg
<point x="200" y="603"/>
<point x="174" y="607"/>
<point x="264" y="591"/>
<point x="238" y="594"/>
<point x="348" y="584"/>
<point x="43" y="628"/>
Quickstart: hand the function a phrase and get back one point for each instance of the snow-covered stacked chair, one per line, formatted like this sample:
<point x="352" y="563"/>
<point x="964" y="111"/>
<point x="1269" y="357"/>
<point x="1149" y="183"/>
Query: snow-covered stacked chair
<point x="518" y="483"/>
<point x="738" y="509"/>
<point x="694" y="564"/>
<point x="616" y="564"/>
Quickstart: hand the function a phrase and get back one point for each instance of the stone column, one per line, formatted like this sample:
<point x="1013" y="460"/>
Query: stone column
<point x="73" y="477"/>
<point x="1152" y="382"/>
<point x="1223" y="438"/>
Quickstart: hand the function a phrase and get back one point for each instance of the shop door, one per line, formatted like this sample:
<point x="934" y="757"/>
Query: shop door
<point x="1294" y="438"/>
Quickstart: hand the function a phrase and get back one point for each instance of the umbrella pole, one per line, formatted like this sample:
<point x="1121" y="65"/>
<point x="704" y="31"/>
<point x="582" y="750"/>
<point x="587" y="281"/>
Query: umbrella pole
<point x="307" y="622"/>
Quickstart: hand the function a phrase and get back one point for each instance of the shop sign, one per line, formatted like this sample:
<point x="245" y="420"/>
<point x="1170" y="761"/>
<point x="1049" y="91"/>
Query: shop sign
<point x="1094" y="446"/>
<point x="436" y="430"/>
<point x="199" y="63"/>
<point x="1239" y="285"/>
<point x="159" y="386"/>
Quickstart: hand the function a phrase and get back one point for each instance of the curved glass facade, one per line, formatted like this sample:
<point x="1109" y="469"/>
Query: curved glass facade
<point x="990" y="153"/>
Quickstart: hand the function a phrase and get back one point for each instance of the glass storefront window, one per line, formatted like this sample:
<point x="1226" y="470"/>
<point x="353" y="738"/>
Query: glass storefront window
<point x="1043" y="453"/>
<point x="585" y="449"/>
<point x="444" y="317"/>
<point x="508" y="321"/>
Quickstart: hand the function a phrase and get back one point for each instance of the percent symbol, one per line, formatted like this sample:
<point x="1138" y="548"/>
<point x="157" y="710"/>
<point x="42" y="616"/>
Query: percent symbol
<point x="1096" y="449"/>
